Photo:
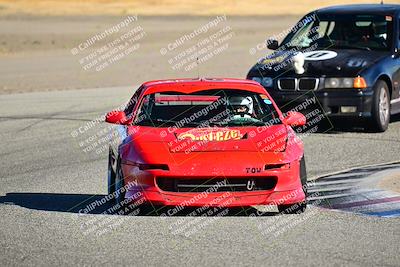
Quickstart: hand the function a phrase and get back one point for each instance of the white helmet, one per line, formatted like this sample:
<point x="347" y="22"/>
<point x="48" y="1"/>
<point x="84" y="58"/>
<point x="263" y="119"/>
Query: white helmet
<point x="240" y="102"/>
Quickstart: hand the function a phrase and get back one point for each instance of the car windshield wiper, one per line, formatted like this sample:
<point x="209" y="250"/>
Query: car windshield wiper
<point x="162" y="122"/>
<point x="149" y="122"/>
<point x="352" y="47"/>
<point x="242" y="123"/>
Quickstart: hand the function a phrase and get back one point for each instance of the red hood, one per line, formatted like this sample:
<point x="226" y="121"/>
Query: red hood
<point x="185" y="140"/>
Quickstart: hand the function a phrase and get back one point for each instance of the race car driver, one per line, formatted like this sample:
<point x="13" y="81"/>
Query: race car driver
<point x="242" y="107"/>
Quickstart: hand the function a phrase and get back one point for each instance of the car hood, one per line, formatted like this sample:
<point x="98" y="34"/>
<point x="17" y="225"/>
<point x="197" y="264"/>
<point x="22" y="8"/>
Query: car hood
<point x="215" y="139"/>
<point x="328" y="63"/>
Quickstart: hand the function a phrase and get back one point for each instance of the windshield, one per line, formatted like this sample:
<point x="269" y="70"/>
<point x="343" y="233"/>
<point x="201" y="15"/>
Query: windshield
<point x="366" y="32"/>
<point x="206" y="108"/>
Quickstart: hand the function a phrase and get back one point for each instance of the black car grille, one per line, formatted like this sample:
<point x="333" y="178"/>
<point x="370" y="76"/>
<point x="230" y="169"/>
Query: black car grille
<point x="219" y="184"/>
<point x="287" y="84"/>
<point x="293" y="84"/>
<point x="308" y="84"/>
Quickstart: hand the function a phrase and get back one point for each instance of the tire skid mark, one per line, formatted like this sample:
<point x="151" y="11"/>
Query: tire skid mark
<point x="355" y="191"/>
<point x="50" y="116"/>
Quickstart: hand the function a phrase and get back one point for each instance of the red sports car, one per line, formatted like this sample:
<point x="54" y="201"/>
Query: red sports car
<point x="206" y="142"/>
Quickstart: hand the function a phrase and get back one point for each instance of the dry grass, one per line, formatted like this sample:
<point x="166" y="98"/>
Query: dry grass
<point x="166" y="7"/>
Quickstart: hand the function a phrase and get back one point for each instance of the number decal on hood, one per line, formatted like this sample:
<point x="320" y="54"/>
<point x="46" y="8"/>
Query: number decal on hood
<point x="319" y="55"/>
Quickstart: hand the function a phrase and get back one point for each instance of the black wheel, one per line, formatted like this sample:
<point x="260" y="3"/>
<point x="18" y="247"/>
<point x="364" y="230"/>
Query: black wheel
<point x="300" y="207"/>
<point x="380" y="108"/>
<point x="293" y="209"/>
<point x="110" y="174"/>
<point x="115" y="182"/>
<point x="117" y="187"/>
<point x="119" y="184"/>
<point x="303" y="175"/>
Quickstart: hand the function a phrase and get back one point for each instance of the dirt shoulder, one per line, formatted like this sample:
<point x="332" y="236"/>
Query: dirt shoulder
<point x="164" y="7"/>
<point x="37" y="37"/>
<point x="35" y="51"/>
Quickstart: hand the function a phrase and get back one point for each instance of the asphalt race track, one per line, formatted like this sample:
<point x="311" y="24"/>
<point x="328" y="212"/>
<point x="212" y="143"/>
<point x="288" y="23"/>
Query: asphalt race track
<point x="46" y="175"/>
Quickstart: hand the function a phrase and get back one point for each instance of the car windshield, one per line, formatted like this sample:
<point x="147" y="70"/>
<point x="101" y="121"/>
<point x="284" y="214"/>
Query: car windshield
<point x="341" y="31"/>
<point x="206" y="108"/>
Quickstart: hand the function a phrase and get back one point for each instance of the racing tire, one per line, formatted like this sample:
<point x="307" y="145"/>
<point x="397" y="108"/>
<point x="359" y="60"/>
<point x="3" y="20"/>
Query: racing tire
<point x="110" y="175"/>
<point x="119" y="184"/>
<point x="299" y="207"/>
<point x="380" y="111"/>
<point x="296" y="208"/>
<point x="115" y="184"/>
<point x="303" y="175"/>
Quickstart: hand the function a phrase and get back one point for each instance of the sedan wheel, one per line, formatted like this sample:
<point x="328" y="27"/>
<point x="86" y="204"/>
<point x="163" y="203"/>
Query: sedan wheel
<point x="380" y="110"/>
<point x="383" y="106"/>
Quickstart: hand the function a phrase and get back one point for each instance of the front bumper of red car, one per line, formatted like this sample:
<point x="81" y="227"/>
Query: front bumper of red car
<point x="275" y="186"/>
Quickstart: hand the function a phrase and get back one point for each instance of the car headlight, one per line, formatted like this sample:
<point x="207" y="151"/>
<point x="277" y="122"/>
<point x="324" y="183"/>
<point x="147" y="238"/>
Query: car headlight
<point x="340" y="83"/>
<point x="348" y="82"/>
<point x="332" y="83"/>
<point x="267" y="82"/>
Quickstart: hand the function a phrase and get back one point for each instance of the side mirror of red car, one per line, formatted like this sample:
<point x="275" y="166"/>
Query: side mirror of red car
<point x="295" y="119"/>
<point x="116" y="117"/>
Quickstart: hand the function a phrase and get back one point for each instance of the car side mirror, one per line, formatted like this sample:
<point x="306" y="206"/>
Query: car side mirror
<point x="295" y="119"/>
<point x="116" y="117"/>
<point x="272" y="44"/>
